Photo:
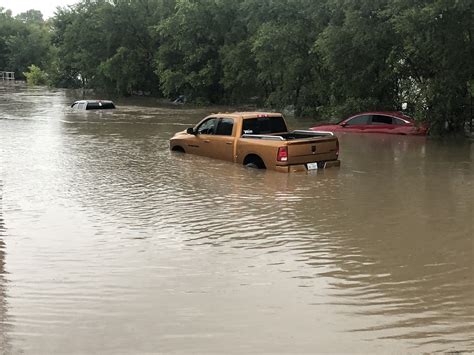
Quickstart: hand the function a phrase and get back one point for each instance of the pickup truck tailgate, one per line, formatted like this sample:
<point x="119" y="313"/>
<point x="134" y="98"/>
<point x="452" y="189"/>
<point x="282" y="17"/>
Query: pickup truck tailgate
<point x="311" y="150"/>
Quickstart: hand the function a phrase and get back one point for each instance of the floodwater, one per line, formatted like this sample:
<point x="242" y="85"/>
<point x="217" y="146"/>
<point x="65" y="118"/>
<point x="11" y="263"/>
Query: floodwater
<point x="110" y="243"/>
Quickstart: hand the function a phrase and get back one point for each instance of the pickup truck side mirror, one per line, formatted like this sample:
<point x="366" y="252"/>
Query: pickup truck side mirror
<point x="190" y="130"/>
<point x="344" y="124"/>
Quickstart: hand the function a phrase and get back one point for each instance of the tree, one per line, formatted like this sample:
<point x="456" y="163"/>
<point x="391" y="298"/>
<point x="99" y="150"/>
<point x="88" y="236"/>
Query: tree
<point x="35" y="76"/>
<point x="109" y="44"/>
<point x="24" y="40"/>
<point x="289" y="70"/>
<point x="356" y="48"/>
<point x="435" y="59"/>
<point x="6" y="30"/>
<point x="188" y="59"/>
<point x="319" y="58"/>
<point x="31" y="17"/>
<point x="130" y="26"/>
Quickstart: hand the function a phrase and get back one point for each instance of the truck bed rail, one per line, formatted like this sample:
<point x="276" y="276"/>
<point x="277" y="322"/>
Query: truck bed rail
<point x="289" y="135"/>
<point x="314" y="133"/>
<point x="263" y="137"/>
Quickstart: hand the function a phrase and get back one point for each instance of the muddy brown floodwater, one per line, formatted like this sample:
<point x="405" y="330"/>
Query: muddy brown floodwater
<point x="110" y="243"/>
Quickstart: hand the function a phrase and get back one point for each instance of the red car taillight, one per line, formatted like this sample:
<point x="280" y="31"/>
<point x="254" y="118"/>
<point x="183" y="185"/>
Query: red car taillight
<point x="282" y="154"/>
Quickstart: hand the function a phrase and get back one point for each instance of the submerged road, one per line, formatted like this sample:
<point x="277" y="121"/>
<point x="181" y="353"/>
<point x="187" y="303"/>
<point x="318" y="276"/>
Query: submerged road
<point x="109" y="243"/>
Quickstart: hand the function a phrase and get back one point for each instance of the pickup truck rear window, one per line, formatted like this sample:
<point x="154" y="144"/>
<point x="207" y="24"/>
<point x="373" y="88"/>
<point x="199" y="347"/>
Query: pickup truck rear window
<point x="264" y="125"/>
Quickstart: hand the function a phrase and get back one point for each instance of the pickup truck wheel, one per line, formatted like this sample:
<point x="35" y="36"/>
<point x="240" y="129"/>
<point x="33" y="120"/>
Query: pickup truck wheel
<point x="254" y="161"/>
<point x="177" y="149"/>
<point x="251" y="166"/>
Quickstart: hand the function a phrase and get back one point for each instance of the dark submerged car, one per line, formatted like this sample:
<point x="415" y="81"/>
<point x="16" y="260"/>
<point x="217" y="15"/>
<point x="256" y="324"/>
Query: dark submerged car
<point x="93" y="105"/>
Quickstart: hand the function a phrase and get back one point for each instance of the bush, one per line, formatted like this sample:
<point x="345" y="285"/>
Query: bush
<point x="36" y="76"/>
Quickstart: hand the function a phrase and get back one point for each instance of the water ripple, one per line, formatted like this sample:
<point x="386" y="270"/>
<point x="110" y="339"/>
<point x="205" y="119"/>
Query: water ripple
<point x="101" y="225"/>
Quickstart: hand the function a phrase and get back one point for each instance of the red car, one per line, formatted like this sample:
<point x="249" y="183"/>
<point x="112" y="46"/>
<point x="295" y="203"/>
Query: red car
<point x="376" y="122"/>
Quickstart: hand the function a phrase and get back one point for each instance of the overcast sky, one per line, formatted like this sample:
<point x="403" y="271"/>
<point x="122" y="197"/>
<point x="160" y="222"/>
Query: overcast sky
<point x="47" y="7"/>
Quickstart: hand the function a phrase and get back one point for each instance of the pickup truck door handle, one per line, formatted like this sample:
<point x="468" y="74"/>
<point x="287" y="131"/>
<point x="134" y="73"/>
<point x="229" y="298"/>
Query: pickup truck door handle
<point x="207" y="141"/>
<point x="228" y="143"/>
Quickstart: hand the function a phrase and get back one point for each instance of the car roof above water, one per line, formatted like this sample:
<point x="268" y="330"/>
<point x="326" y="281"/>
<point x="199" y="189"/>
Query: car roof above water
<point x="385" y="113"/>
<point x="93" y="104"/>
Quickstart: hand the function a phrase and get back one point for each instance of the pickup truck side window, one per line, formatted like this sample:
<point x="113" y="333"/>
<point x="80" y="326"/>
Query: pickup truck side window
<point x="225" y="126"/>
<point x="264" y="125"/>
<point x="208" y="127"/>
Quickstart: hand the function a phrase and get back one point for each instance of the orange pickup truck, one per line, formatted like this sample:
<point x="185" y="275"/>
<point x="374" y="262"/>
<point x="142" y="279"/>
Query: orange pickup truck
<point x="258" y="140"/>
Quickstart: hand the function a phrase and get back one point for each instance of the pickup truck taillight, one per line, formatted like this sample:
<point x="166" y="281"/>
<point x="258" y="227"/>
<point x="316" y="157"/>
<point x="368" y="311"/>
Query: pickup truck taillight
<point x="282" y="154"/>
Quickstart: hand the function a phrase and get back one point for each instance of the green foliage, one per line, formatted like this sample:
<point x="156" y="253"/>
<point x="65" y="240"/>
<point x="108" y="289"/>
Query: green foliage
<point x="355" y="51"/>
<point x="108" y="45"/>
<point x="239" y="70"/>
<point x="188" y="59"/>
<point x="435" y="61"/>
<point x="319" y="58"/>
<point x="287" y="66"/>
<point x="35" y="76"/>
<point x="6" y="30"/>
<point x="24" y="40"/>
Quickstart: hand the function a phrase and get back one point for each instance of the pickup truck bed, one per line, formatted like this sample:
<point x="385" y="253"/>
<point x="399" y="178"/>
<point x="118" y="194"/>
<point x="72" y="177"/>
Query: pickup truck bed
<point x="259" y="140"/>
<point x="287" y="136"/>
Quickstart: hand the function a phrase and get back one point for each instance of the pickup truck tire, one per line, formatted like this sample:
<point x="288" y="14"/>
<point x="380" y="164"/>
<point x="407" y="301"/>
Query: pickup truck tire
<point x="254" y="162"/>
<point x="251" y="166"/>
<point x="177" y="149"/>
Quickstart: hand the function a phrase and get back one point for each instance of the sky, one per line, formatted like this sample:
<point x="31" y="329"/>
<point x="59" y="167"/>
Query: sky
<point x="47" y="7"/>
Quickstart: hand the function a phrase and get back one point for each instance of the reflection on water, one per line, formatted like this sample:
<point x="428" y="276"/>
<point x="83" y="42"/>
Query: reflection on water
<point x="3" y="317"/>
<point x="4" y="346"/>
<point x="116" y="244"/>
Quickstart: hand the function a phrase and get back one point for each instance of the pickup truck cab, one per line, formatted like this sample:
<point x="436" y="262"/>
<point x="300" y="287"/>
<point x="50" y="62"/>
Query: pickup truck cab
<point x="258" y="140"/>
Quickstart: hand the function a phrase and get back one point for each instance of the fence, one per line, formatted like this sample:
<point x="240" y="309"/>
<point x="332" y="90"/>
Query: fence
<point x="7" y="75"/>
